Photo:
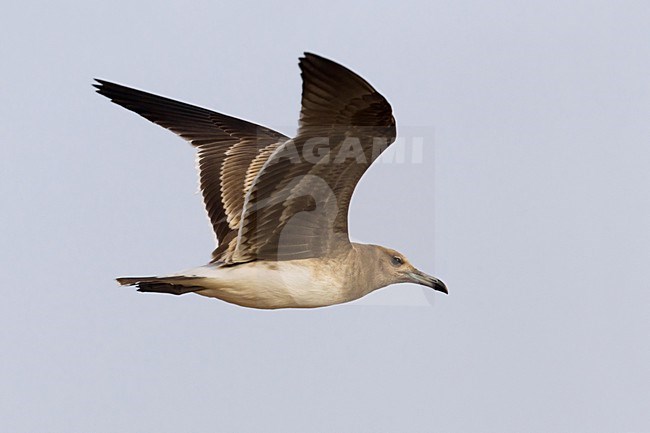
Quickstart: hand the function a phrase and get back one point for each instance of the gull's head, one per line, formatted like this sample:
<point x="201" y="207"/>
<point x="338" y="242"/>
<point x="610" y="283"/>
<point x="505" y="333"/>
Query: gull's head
<point x="392" y="267"/>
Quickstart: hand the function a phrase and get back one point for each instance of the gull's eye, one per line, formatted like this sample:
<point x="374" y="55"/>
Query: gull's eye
<point x="396" y="261"/>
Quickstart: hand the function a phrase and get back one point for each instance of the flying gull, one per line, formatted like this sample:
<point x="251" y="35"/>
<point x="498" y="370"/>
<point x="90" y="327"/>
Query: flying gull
<point x="279" y="205"/>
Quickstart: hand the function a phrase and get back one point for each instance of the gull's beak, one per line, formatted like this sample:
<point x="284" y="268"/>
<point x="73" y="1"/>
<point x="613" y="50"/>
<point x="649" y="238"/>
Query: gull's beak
<point x="423" y="279"/>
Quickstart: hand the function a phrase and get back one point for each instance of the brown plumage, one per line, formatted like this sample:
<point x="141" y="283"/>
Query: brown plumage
<point x="226" y="147"/>
<point x="271" y="198"/>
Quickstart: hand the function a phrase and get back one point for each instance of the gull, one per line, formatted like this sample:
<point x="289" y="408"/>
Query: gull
<point x="279" y="205"/>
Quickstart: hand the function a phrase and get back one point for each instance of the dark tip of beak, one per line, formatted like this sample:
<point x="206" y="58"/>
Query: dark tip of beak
<point x="440" y="287"/>
<point x="427" y="280"/>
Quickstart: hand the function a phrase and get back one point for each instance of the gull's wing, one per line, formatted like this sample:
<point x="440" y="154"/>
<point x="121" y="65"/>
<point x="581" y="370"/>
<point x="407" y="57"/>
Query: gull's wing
<point x="297" y="206"/>
<point x="230" y="150"/>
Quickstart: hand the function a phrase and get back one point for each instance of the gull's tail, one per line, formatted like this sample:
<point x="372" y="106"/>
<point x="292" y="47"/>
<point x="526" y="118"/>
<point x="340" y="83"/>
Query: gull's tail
<point x="174" y="285"/>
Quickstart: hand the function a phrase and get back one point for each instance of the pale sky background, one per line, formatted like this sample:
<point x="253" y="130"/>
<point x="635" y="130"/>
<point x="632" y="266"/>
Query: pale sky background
<point x="532" y="202"/>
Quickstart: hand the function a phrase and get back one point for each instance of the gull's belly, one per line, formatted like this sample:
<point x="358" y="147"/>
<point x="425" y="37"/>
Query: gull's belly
<point x="288" y="284"/>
